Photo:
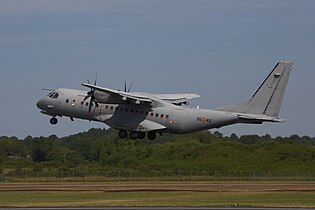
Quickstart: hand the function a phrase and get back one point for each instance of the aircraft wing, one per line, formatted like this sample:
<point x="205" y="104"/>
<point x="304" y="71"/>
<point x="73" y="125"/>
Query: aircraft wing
<point x="125" y="96"/>
<point x="177" y="99"/>
<point x="145" y="98"/>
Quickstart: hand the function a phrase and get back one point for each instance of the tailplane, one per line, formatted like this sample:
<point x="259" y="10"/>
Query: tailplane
<point x="268" y="98"/>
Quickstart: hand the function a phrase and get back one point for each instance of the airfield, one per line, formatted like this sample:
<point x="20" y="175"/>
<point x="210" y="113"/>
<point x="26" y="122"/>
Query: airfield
<point x="230" y="195"/>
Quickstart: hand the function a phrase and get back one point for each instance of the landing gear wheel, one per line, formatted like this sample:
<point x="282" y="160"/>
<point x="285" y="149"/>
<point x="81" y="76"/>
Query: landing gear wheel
<point x="53" y="121"/>
<point x="133" y="135"/>
<point x="151" y="136"/>
<point x="141" y="135"/>
<point x="123" y="134"/>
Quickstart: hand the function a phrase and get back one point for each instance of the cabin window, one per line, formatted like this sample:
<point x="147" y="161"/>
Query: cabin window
<point x="156" y="115"/>
<point x="67" y="101"/>
<point x="121" y="109"/>
<point x="111" y="108"/>
<point x="106" y="107"/>
<point x="126" y="110"/>
<point x="137" y="111"/>
<point x="151" y="114"/>
<point x="167" y="116"/>
<point x="82" y="103"/>
<point x="131" y="110"/>
<point x="162" y="115"/>
<point x="87" y="103"/>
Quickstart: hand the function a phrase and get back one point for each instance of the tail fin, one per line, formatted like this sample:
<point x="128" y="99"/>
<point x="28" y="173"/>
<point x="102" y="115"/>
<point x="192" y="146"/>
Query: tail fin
<point x="267" y="99"/>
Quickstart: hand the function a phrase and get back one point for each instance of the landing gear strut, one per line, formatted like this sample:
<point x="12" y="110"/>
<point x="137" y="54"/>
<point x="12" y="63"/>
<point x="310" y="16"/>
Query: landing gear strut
<point x="53" y="121"/>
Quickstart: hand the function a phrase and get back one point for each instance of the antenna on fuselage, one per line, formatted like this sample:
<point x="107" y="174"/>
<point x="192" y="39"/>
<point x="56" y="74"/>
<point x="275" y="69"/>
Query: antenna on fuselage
<point x="48" y="89"/>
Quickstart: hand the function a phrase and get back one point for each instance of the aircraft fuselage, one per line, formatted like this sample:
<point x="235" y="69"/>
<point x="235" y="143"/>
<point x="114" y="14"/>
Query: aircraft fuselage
<point x="138" y="114"/>
<point x="176" y="119"/>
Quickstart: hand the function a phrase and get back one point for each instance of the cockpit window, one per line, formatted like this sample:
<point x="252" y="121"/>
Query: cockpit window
<point x="53" y="95"/>
<point x="56" y="95"/>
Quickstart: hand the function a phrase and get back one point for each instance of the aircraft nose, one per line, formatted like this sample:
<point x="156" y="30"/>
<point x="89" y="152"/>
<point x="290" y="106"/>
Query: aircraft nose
<point x="40" y="104"/>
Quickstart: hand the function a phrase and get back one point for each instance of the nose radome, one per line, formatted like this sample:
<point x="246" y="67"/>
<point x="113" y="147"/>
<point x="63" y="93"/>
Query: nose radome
<point x="40" y="104"/>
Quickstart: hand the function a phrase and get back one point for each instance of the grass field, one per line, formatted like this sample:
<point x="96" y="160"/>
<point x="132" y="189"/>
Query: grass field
<point x="210" y="194"/>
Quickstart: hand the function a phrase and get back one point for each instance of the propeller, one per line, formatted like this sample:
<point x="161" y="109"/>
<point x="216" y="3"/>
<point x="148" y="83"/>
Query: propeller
<point x="125" y="89"/>
<point x="90" y="95"/>
<point x="130" y="87"/>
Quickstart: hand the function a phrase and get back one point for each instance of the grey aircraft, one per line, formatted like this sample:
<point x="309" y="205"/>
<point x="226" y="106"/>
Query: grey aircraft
<point x="137" y="114"/>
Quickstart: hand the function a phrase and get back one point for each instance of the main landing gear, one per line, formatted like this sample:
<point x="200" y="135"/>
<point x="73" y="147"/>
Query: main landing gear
<point x="53" y="121"/>
<point x="123" y="134"/>
<point x="136" y="135"/>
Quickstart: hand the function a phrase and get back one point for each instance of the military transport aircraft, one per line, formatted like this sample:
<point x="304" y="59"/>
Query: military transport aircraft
<point x="137" y="114"/>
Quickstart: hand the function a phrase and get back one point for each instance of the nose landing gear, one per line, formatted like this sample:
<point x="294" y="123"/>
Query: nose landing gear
<point x="53" y="121"/>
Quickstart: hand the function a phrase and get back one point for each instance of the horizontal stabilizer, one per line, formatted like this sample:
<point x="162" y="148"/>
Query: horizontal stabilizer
<point x="263" y="118"/>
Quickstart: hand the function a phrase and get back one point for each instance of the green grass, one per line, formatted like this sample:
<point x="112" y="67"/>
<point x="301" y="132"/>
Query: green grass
<point x="99" y="198"/>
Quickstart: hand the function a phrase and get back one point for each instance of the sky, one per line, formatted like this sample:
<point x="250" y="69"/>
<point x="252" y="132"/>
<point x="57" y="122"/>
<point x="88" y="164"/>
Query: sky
<point x="220" y="49"/>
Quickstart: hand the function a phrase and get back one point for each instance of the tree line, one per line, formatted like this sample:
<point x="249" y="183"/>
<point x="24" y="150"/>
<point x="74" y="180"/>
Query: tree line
<point x="101" y="149"/>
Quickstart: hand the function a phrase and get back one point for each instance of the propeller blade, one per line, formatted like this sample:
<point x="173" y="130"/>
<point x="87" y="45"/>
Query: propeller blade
<point x="95" y="80"/>
<point x="90" y="95"/>
<point x="86" y="97"/>
<point x="130" y="87"/>
<point x="90" y="105"/>
<point x="125" y="89"/>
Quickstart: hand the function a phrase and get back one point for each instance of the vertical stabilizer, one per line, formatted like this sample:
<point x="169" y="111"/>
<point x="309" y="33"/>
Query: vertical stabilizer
<point x="268" y="98"/>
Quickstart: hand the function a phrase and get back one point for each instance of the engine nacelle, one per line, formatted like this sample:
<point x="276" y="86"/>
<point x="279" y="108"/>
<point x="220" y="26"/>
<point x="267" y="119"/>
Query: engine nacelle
<point x="101" y="97"/>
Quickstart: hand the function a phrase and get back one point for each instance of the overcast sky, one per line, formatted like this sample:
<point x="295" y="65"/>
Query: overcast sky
<point x="220" y="49"/>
